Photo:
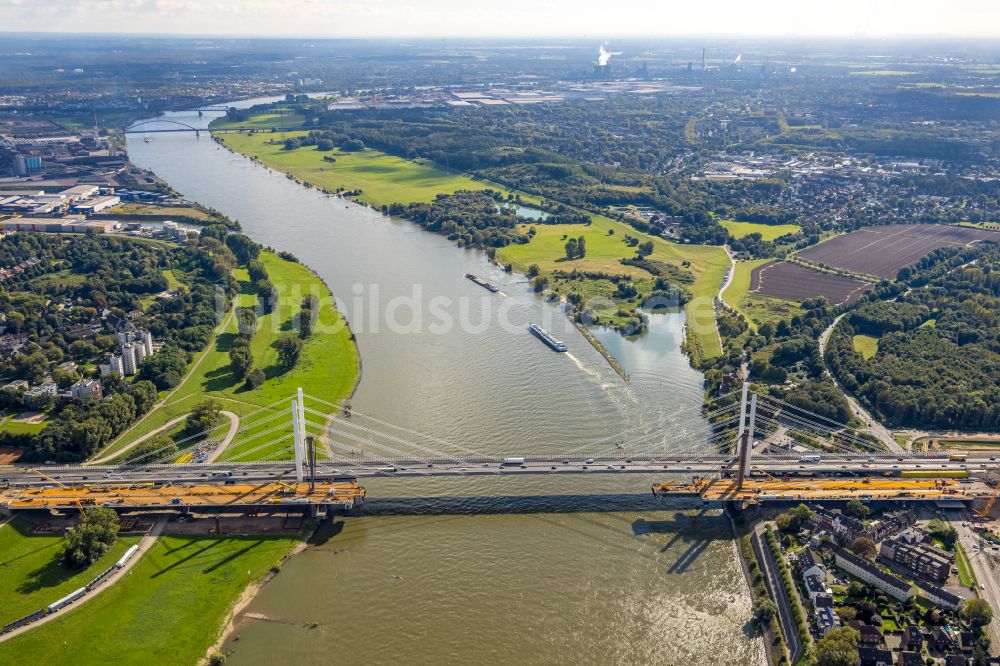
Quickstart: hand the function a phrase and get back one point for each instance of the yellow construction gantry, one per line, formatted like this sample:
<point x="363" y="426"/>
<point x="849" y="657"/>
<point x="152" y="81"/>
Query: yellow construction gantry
<point x="865" y="488"/>
<point x="147" y="495"/>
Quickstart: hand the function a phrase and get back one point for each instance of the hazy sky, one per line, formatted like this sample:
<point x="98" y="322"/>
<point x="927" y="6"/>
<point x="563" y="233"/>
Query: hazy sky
<point x="576" y="18"/>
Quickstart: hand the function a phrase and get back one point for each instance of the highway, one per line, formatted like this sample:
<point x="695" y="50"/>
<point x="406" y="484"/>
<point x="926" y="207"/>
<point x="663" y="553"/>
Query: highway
<point x="832" y="465"/>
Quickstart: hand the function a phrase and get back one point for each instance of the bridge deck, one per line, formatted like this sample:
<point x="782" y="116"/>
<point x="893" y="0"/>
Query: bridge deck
<point x="145" y="496"/>
<point x="714" y="490"/>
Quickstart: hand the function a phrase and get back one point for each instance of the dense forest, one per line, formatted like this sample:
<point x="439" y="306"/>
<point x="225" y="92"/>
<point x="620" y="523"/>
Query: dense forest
<point x="70" y="304"/>
<point x="938" y="358"/>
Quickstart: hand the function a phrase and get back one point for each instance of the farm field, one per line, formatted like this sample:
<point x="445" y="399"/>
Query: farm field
<point x="882" y="251"/>
<point x="168" y="610"/>
<point x="768" y="232"/>
<point x="794" y="282"/>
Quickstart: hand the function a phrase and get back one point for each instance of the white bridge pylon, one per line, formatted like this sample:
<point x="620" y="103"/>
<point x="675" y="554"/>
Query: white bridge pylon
<point x="299" y="434"/>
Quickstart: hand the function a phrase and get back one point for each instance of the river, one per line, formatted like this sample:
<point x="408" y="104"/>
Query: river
<point x="529" y="570"/>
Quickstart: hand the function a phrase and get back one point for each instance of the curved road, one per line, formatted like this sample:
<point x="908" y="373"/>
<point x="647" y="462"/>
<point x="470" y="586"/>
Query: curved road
<point x="234" y="424"/>
<point x="872" y="425"/>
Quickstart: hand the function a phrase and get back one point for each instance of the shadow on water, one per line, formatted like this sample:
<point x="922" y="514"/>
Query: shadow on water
<point x="518" y="504"/>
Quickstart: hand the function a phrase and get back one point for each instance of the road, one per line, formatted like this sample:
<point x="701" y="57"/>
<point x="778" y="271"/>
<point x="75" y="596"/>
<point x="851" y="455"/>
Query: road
<point x="234" y="426"/>
<point x="771" y="575"/>
<point x="145" y="543"/>
<point x="983" y="566"/>
<point x="689" y="465"/>
<point x="872" y="425"/>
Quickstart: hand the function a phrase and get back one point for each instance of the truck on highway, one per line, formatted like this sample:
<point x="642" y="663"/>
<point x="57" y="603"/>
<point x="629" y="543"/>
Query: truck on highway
<point x="813" y="458"/>
<point x="513" y="461"/>
<point x="958" y="457"/>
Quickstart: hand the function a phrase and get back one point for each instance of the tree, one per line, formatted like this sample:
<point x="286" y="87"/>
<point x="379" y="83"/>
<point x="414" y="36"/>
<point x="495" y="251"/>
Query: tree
<point x="857" y="508"/>
<point x="838" y="648"/>
<point x="152" y="449"/>
<point x="240" y="360"/>
<point x="87" y="541"/>
<point x="255" y="378"/>
<point x="763" y="610"/>
<point x="792" y="520"/>
<point x="246" y="319"/>
<point x="943" y="531"/>
<point x="289" y="348"/>
<point x="864" y="547"/>
<point x="977" y="612"/>
<point x="571" y="248"/>
<point x="205" y="416"/>
<point x="581" y="247"/>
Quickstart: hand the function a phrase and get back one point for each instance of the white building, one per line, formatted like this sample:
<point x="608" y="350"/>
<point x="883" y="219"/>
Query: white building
<point x="128" y="359"/>
<point x="867" y="572"/>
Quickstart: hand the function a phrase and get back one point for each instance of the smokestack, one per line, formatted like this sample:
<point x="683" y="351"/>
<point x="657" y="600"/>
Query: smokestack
<point x="703" y="60"/>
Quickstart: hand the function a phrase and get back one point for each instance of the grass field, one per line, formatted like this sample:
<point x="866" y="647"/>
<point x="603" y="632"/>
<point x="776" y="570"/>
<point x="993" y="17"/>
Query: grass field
<point x="767" y="232"/>
<point x="966" y="576"/>
<point x="31" y="576"/>
<point x="382" y="178"/>
<point x="21" y="427"/>
<point x="328" y="367"/>
<point x="139" y="209"/>
<point x="168" y="610"/>
<point x="865" y="345"/>
<point x="263" y="121"/>
<point x="387" y="179"/>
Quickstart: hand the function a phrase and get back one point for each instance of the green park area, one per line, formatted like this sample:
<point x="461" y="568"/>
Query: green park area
<point x="865" y="345"/>
<point x="768" y="232"/>
<point x="756" y="308"/>
<point x="32" y="575"/>
<point x="328" y="366"/>
<point x="168" y="610"/>
<point x="385" y="179"/>
<point x="382" y="178"/>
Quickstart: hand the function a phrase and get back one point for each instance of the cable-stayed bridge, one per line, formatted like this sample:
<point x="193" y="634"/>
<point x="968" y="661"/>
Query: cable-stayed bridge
<point x="305" y="450"/>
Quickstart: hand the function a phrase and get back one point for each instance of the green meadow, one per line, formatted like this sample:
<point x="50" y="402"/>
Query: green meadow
<point x="168" y="610"/>
<point x="768" y="232"/>
<point x="31" y="575"/>
<point x="328" y="368"/>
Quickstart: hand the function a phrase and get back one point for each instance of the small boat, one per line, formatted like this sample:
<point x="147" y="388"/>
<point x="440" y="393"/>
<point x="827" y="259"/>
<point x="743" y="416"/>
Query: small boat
<point x="148" y="139"/>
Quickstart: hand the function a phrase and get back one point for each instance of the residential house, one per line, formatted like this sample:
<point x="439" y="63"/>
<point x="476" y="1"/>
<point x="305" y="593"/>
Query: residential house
<point x="826" y="620"/>
<point x="869" y="636"/>
<point x="815" y="586"/>
<point x="912" y="639"/>
<point x="955" y="660"/>
<point x="811" y="565"/>
<point x="909" y="659"/>
<point x="865" y="571"/>
<point x="874" y="657"/>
